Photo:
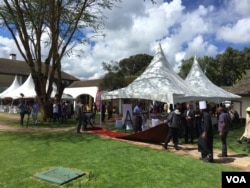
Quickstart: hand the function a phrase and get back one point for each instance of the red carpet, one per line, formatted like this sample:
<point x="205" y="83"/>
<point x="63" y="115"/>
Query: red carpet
<point x="155" y="134"/>
<point x="105" y="132"/>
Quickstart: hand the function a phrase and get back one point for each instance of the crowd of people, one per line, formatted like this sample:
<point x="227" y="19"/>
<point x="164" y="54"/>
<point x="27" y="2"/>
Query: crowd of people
<point x="183" y="121"/>
<point x="190" y="124"/>
<point x="57" y="111"/>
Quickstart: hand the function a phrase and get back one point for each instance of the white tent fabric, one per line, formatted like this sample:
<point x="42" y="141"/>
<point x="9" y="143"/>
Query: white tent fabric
<point x="76" y="91"/>
<point x="158" y="82"/>
<point x="198" y="80"/>
<point x="28" y="90"/>
<point x="15" y="84"/>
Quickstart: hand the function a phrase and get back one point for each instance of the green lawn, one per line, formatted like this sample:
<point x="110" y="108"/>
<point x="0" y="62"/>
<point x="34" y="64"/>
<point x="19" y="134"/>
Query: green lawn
<point x="107" y="163"/>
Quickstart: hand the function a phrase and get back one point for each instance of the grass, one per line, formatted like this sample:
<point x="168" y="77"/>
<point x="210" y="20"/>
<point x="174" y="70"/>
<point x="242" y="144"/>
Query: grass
<point x="107" y="163"/>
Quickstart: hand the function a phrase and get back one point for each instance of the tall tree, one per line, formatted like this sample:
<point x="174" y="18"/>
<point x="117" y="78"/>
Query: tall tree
<point x="57" y="25"/>
<point x="135" y="65"/>
<point x="185" y="67"/>
<point x="230" y="65"/>
<point x="120" y="74"/>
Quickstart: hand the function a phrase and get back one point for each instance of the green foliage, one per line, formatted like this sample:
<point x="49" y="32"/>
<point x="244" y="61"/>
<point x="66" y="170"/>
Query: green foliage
<point x="64" y="23"/>
<point x="112" y="81"/>
<point x="120" y="74"/>
<point x="225" y="69"/>
<point x="135" y="65"/>
<point x="185" y="67"/>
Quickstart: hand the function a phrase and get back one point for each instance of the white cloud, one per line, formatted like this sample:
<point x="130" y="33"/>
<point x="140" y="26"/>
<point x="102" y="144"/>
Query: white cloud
<point x="236" y="33"/>
<point x="134" y="27"/>
<point x="241" y="7"/>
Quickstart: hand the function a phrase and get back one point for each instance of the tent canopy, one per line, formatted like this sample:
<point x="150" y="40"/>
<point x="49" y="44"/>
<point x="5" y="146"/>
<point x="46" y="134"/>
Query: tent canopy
<point x="15" y="84"/>
<point x="76" y="91"/>
<point x="159" y="82"/>
<point x="27" y="89"/>
<point x="198" y="80"/>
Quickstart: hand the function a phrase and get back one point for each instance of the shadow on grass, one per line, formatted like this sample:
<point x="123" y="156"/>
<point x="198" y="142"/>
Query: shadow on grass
<point x="238" y="155"/>
<point x="50" y="137"/>
<point x="224" y="160"/>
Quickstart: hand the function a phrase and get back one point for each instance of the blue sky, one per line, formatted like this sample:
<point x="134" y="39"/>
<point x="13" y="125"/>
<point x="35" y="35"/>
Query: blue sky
<point x="183" y="27"/>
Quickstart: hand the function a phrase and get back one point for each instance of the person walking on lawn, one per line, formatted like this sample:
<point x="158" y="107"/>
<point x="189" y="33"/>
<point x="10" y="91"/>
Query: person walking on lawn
<point x="223" y="128"/>
<point x="174" y="121"/>
<point x="79" y="115"/>
<point x="205" y="142"/>
<point x="246" y="134"/>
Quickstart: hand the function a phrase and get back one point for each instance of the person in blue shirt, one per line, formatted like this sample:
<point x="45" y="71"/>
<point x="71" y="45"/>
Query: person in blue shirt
<point x="138" y="118"/>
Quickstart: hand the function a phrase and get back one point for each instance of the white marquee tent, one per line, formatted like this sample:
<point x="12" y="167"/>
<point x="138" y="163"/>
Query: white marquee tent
<point x="15" y="84"/>
<point x="198" y="80"/>
<point x="28" y="90"/>
<point x="159" y="82"/>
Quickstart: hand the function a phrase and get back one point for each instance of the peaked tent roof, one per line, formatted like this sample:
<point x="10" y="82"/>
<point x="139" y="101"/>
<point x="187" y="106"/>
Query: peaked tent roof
<point x="28" y="90"/>
<point x="15" y="84"/>
<point x="198" y="80"/>
<point x="158" y="82"/>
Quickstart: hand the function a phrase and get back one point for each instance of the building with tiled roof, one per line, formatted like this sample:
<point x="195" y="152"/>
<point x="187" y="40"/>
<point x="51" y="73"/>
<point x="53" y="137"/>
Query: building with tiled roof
<point x="242" y="88"/>
<point x="11" y="67"/>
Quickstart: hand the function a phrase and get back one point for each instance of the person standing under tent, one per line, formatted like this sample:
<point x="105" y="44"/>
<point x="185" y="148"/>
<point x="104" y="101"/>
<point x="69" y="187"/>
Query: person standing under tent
<point x="205" y="142"/>
<point x="110" y="110"/>
<point x="138" y="117"/>
<point x="103" y="111"/>
<point x="197" y="121"/>
<point x="189" y="124"/>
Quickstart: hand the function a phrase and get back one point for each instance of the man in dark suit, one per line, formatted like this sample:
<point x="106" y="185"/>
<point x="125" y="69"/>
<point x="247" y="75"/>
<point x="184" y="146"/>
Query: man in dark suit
<point x="189" y="124"/>
<point x="205" y="142"/>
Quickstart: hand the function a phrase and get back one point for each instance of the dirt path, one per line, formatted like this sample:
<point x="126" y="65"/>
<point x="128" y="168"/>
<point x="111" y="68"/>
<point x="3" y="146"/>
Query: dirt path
<point x="241" y="161"/>
<point x="4" y="125"/>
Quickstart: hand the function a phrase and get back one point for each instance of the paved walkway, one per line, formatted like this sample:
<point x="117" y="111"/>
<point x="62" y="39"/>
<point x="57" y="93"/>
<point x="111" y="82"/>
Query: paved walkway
<point x="241" y="161"/>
